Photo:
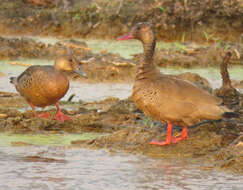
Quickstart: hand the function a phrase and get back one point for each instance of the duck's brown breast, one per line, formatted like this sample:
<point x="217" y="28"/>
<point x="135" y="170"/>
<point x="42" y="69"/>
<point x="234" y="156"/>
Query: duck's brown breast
<point x="42" y="85"/>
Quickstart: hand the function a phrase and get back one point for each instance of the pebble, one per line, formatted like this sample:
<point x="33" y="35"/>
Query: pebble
<point x="3" y="115"/>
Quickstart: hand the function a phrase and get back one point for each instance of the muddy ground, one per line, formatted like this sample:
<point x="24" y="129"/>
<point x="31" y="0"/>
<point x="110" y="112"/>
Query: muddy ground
<point x="216" y="144"/>
<point x="192" y="20"/>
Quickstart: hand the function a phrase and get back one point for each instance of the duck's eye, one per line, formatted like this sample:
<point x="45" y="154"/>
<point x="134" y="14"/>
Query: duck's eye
<point x="70" y="59"/>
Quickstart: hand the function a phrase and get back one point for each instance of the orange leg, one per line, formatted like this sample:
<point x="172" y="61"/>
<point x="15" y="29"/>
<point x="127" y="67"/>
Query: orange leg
<point x="42" y="115"/>
<point x="59" y="115"/>
<point x="169" y="138"/>
<point x="184" y="134"/>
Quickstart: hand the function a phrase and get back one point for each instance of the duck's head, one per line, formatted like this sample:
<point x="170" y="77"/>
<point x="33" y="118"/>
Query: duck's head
<point x="69" y="63"/>
<point x="142" y="31"/>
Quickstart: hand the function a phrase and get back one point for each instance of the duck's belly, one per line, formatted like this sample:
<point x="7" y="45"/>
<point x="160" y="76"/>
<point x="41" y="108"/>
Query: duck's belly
<point x="150" y="102"/>
<point x="48" y="93"/>
<point x="41" y="100"/>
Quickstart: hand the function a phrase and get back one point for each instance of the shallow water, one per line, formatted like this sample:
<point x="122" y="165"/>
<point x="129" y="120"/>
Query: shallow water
<point x="50" y="140"/>
<point x="99" y="91"/>
<point x="72" y="169"/>
<point x="83" y="91"/>
<point x="212" y="74"/>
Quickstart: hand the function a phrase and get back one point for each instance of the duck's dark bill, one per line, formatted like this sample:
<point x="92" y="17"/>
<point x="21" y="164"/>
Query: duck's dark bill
<point x="80" y="72"/>
<point x="126" y="37"/>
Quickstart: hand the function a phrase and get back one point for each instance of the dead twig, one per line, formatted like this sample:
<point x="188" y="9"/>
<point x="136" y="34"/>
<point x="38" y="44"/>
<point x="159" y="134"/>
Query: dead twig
<point x="119" y="7"/>
<point x="20" y="64"/>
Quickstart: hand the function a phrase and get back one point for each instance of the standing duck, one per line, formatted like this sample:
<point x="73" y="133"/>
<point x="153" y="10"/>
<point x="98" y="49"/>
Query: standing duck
<point x="167" y="98"/>
<point x="42" y="86"/>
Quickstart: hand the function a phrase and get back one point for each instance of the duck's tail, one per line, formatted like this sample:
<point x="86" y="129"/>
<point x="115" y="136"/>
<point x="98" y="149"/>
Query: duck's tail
<point x="231" y="115"/>
<point x="13" y="80"/>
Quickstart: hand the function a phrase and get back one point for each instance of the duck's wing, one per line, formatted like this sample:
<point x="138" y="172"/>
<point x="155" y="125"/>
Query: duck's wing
<point x="30" y="81"/>
<point x="24" y="80"/>
<point x="182" y="90"/>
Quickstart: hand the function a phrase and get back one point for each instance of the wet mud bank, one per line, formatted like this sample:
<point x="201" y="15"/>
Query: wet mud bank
<point x="123" y="127"/>
<point x="196" y="20"/>
<point x="110" y="67"/>
<point x="216" y="144"/>
<point x="101" y="67"/>
<point x="189" y="55"/>
<point x="16" y="116"/>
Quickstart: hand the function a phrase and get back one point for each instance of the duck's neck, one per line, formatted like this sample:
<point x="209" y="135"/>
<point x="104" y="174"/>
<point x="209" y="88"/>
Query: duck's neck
<point x="147" y="66"/>
<point x="224" y="72"/>
<point x="148" y="53"/>
<point x="60" y="72"/>
<point x="56" y="69"/>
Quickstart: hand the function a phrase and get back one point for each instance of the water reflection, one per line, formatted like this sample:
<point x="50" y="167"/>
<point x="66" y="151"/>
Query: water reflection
<point x="87" y="169"/>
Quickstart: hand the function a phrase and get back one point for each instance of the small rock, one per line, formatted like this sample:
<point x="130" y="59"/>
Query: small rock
<point x="240" y="144"/>
<point x="20" y="143"/>
<point x="2" y="74"/>
<point x="3" y="115"/>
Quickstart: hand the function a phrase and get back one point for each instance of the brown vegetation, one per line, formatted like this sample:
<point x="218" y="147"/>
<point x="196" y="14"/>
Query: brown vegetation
<point x="197" y="20"/>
